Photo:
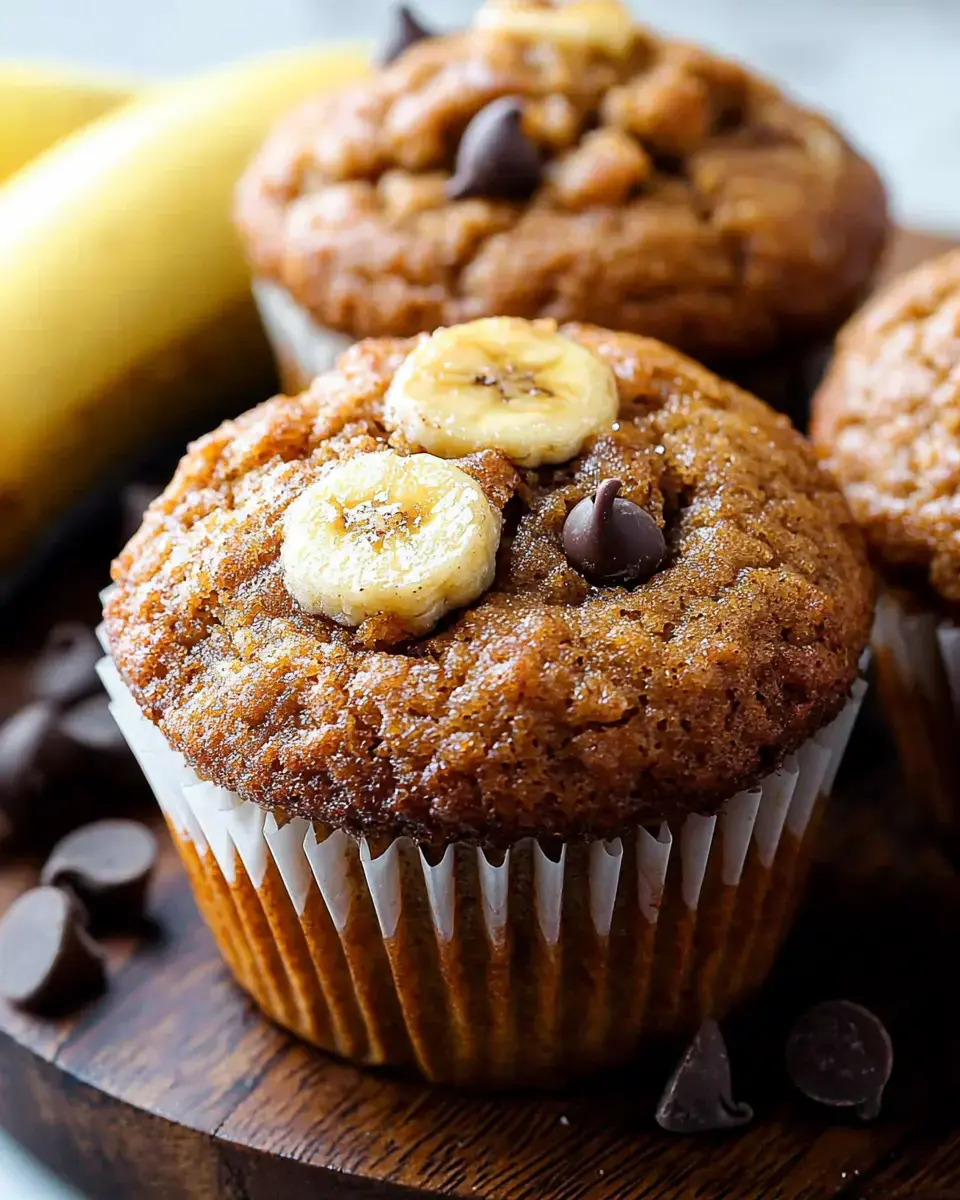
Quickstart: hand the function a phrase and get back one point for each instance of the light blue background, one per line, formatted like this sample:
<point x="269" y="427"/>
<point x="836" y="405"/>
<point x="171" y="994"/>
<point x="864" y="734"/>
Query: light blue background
<point x="886" y="70"/>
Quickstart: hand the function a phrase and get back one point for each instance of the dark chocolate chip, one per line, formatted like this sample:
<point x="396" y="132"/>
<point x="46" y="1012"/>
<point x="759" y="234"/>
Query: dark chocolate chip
<point x="108" y="864"/>
<point x="90" y="726"/>
<point x="134" y="501"/>
<point x="48" y="962"/>
<point x="65" y="669"/>
<point x="612" y="541"/>
<point x="406" y="30"/>
<point x="24" y="738"/>
<point x="495" y="156"/>
<point x="841" y="1055"/>
<point x="699" y="1096"/>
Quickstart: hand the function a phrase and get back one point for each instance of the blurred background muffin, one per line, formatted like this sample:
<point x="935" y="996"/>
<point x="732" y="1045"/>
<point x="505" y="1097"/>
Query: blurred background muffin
<point x="561" y="161"/>
<point x="887" y="422"/>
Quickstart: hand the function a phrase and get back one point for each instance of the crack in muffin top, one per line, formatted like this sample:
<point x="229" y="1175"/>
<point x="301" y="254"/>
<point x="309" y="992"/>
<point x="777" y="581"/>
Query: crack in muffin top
<point x="548" y="706"/>
<point x="887" y="421"/>
<point x="682" y="197"/>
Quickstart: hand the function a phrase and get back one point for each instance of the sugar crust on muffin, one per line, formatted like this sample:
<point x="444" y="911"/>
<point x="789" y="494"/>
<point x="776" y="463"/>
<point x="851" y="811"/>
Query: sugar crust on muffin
<point x="548" y="706"/>
<point x="887" y="422"/>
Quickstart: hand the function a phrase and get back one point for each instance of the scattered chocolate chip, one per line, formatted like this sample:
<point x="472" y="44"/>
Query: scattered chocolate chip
<point x="840" y="1054"/>
<point x="699" y="1096"/>
<point x="406" y="30"/>
<point x="495" y="156"/>
<point x="48" y="962"/>
<point x="65" y="669"/>
<point x="24" y="738"/>
<point x="612" y="541"/>
<point x="108" y="864"/>
<point x="135" y="498"/>
<point x="90" y="726"/>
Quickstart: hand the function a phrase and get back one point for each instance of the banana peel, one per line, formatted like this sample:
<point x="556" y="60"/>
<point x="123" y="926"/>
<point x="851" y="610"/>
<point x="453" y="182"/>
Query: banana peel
<point x="124" y="297"/>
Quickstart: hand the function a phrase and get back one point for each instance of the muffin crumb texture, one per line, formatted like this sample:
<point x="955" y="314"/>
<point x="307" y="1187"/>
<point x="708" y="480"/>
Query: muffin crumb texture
<point x="887" y="421"/>
<point x="549" y="706"/>
<point x="681" y="197"/>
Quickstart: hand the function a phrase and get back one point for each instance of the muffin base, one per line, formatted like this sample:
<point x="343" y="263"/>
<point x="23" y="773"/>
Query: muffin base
<point x="917" y="656"/>
<point x="523" y="967"/>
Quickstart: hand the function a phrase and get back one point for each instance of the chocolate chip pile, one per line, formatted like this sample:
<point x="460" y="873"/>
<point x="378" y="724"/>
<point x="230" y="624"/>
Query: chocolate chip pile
<point x="63" y="760"/>
<point x="95" y="880"/>
<point x="61" y="738"/>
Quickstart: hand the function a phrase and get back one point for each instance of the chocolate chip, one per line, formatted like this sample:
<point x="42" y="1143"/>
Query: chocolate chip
<point x="612" y="541"/>
<point x="65" y="670"/>
<point x="48" y="962"/>
<point x="24" y="738"/>
<point x="135" y="499"/>
<point x="108" y="864"/>
<point x="699" y="1096"/>
<point x="406" y="30"/>
<point x="841" y="1055"/>
<point x="89" y="725"/>
<point x="495" y="156"/>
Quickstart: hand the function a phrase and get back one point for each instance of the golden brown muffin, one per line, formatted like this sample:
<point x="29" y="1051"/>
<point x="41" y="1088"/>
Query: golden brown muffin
<point x="547" y="706"/>
<point x="887" y="422"/>
<point x="680" y="195"/>
<point x="474" y="763"/>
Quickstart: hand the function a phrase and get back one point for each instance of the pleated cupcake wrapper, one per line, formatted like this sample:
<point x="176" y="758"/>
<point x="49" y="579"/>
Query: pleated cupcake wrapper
<point x="303" y="349"/>
<point x="917" y="655"/>
<point x="484" y="968"/>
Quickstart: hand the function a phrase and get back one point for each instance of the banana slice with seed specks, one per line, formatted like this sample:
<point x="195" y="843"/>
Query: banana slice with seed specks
<point x="412" y="537"/>
<point x="604" y="25"/>
<point x="502" y="383"/>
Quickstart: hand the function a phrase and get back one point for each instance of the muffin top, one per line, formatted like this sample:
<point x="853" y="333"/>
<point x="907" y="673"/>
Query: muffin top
<point x="887" y="420"/>
<point x="370" y="604"/>
<point x="557" y="160"/>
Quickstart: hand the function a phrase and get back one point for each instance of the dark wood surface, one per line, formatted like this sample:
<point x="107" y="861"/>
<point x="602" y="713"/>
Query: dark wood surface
<point x="172" y="1085"/>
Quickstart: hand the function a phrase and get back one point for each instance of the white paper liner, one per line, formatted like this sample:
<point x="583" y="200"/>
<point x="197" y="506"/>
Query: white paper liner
<point x="918" y="663"/>
<point x="913" y="641"/>
<point x="237" y="830"/>
<point x="920" y="643"/>
<point x="297" y="340"/>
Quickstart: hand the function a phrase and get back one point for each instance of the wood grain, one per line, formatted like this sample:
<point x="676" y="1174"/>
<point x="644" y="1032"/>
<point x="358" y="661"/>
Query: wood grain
<point x="173" y="1087"/>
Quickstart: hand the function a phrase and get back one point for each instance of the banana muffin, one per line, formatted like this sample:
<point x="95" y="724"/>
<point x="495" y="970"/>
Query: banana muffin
<point x="557" y="160"/>
<point x="492" y="688"/>
<point x="887" y="422"/>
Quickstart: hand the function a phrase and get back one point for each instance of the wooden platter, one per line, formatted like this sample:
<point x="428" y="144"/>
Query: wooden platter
<point x="173" y="1087"/>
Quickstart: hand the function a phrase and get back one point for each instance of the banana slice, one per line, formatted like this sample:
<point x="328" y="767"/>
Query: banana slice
<point x="412" y="537"/>
<point x="502" y="383"/>
<point x="604" y="25"/>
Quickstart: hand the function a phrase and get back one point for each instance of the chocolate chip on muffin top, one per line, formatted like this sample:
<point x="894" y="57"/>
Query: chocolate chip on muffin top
<point x="330" y="616"/>
<point x="887" y="420"/>
<point x="558" y="160"/>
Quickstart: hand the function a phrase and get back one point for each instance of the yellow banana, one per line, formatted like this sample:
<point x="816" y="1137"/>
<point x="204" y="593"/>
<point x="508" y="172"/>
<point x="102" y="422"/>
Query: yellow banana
<point x="502" y="383"/>
<point x="410" y="536"/>
<point x="40" y="105"/>
<point x="124" y="302"/>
